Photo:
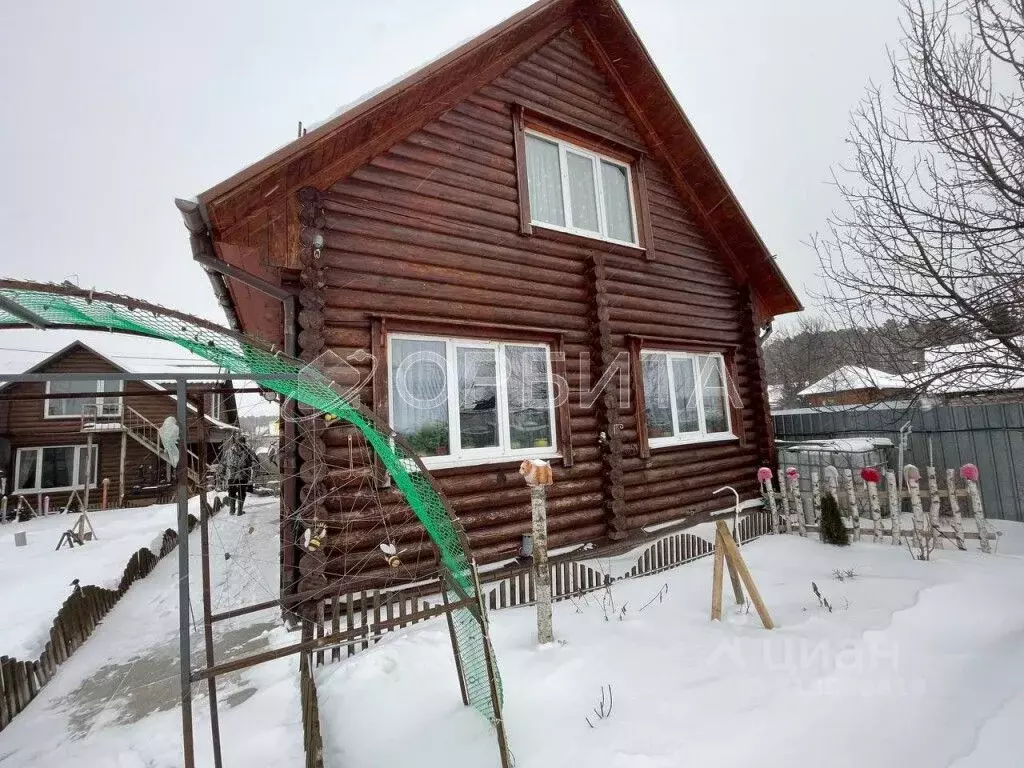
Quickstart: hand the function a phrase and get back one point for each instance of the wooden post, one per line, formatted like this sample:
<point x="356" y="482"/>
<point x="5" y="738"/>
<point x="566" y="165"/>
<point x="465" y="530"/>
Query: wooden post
<point x="538" y="476"/>
<point x="816" y="496"/>
<point x="933" y="508"/>
<point x="969" y="473"/>
<point x="764" y="476"/>
<point x="120" y="470"/>
<point x="895" y="508"/>
<point x="727" y="551"/>
<point x="954" y="507"/>
<point x="913" y="476"/>
<point x="716" y="579"/>
<point x="88" y="471"/>
<point x="784" y="497"/>
<point x="798" y="508"/>
<point x="106" y="492"/>
<point x="851" y="495"/>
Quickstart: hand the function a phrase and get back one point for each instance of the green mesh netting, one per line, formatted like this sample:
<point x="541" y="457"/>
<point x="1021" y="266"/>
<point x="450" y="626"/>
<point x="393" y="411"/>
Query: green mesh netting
<point x="309" y="386"/>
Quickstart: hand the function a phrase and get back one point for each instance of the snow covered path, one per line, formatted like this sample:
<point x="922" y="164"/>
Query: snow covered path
<point x="115" y="702"/>
<point x="919" y="664"/>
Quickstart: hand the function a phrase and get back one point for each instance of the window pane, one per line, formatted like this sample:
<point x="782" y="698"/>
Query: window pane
<point x="58" y="465"/>
<point x="529" y="397"/>
<point x="544" y="179"/>
<point x="686" y="394"/>
<point x="657" y="405"/>
<point x="111" y="406"/>
<point x="478" y="397"/>
<point x="713" y="394"/>
<point x="68" y="407"/>
<point x="616" y="202"/>
<point x="582" y="192"/>
<point x="419" y="394"/>
<point x="27" y="469"/>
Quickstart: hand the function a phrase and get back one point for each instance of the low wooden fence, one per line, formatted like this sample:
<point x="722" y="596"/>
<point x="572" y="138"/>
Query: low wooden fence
<point x="312" y="739"/>
<point x="78" y="617"/>
<point x="361" y="619"/>
<point x="908" y="509"/>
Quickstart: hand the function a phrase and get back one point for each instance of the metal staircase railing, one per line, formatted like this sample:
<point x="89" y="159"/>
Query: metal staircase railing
<point x="145" y="433"/>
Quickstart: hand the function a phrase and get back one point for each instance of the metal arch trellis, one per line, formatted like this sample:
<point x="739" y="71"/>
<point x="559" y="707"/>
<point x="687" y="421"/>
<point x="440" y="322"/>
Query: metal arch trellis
<point x="44" y="305"/>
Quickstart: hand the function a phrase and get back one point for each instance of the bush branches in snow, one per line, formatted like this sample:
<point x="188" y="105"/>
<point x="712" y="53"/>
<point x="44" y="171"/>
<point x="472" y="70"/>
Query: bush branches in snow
<point x="604" y="709"/>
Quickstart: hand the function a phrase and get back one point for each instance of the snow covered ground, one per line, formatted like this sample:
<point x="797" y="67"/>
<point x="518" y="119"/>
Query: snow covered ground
<point x="37" y="578"/>
<point x="918" y="664"/>
<point x="115" y="702"/>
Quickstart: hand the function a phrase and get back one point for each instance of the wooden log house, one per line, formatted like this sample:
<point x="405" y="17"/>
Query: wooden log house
<point x="46" y="442"/>
<point x="532" y="208"/>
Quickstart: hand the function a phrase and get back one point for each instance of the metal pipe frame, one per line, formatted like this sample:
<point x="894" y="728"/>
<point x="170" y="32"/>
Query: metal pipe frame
<point x="112" y="395"/>
<point x="184" y="641"/>
<point x="177" y="378"/>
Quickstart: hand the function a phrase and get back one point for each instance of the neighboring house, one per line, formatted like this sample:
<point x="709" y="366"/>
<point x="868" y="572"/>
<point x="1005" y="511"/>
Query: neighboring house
<point x="46" y="441"/>
<point x="532" y="208"/>
<point x="853" y="385"/>
<point x="975" y="372"/>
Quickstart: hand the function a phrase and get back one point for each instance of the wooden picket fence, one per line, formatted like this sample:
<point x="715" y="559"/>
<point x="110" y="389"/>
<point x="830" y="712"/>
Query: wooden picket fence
<point x="78" y="617"/>
<point x="312" y="738"/>
<point x="362" y="619"/>
<point x="878" y="505"/>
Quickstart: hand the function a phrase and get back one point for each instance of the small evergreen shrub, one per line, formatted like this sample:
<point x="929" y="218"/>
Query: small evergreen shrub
<point x="832" y="529"/>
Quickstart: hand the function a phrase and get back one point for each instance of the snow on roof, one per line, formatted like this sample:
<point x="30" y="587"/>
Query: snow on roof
<point x="839" y="445"/>
<point x="775" y="393"/>
<point x="983" y="366"/>
<point x="23" y="349"/>
<point x="855" y="377"/>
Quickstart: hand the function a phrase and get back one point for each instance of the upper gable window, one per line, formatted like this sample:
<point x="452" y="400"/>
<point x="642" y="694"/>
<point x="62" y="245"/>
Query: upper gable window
<point x="91" y="404"/>
<point x="576" y="190"/>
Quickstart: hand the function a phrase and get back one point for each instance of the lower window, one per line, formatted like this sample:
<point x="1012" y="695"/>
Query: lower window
<point x="685" y="397"/>
<point x="55" y="468"/>
<point x="462" y="401"/>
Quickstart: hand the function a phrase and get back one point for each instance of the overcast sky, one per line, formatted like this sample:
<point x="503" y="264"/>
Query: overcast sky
<point x="109" y="110"/>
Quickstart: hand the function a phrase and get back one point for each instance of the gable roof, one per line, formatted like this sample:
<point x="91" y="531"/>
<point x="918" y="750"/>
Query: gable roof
<point x="80" y="346"/>
<point x="348" y="140"/>
<point x="852" y="377"/>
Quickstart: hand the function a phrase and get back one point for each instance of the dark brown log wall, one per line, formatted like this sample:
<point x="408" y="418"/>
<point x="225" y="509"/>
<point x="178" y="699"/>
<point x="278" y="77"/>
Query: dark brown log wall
<point x="431" y="228"/>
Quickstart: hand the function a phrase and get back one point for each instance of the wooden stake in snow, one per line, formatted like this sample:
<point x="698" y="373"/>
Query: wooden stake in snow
<point x="538" y="476"/>
<point x="798" y="508"/>
<point x="933" y="509"/>
<point x="851" y="495"/>
<point x="726" y="552"/>
<point x="969" y="473"/>
<point x="913" y="476"/>
<point x="954" y="507"/>
<point x="784" y="497"/>
<point x="871" y="476"/>
<point x="764" y="477"/>
<point x="895" y="510"/>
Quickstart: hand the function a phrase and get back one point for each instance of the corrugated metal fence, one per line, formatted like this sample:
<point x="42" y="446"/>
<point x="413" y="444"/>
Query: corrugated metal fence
<point x="948" y="436"/>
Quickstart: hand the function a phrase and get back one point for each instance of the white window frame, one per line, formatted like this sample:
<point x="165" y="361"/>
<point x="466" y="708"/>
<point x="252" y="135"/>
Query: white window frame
<point x="596" y="159"/>
<point x="81" y="448"/>
<point x="457" y="457"/>
<point x="102" y="386"/>
<point x="701" y="435"/>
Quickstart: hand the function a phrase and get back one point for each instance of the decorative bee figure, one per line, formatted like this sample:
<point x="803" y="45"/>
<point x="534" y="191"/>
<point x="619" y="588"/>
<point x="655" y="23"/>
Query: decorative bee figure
<point x="390" y="552"/>
<point x="313" y="541"/>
